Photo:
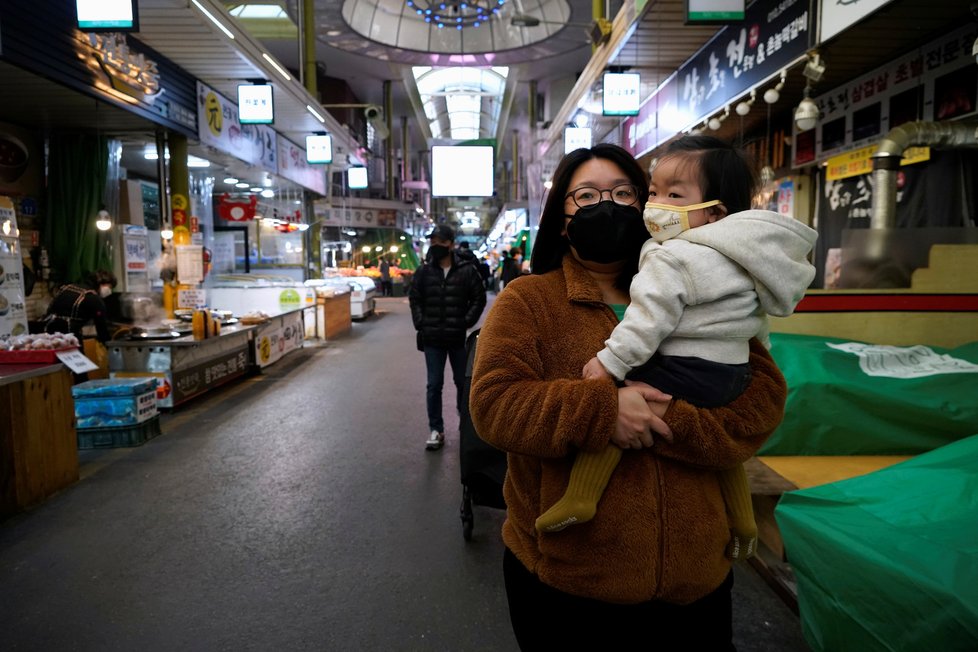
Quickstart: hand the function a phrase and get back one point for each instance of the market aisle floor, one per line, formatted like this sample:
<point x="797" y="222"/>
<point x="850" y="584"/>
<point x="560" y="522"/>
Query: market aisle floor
<point x="296" y="510"/>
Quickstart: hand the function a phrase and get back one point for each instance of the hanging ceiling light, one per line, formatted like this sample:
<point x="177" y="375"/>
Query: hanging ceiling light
<point x="806" y="115"/>
<point x="717" y="120"/>
<point x="455" y="14"/>
<point x="743" y="108"/>
<point x="772" y="95"/>
<point x="103" y="221"/>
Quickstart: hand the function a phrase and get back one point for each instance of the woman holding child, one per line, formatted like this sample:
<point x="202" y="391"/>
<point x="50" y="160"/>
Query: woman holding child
<point x="649" y="569"/>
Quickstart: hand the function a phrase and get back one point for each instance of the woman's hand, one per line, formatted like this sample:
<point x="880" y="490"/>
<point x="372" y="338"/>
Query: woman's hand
<point x="640" y="410"/>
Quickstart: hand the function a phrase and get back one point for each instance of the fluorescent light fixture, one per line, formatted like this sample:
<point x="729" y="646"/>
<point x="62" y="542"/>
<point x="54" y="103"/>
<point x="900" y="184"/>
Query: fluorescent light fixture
<point x="315" y="113"/>
<point x="256" y="189"/>
<point x="267" y="193"/>
<point x="107" y="15"/>
<point x="255" y="104"/>
<point x="576" y="138"/>
<point x="242" y="184"/>
<point x="214" y="20"/>
<point x="230" y="180"/>
<point x="621" y="95"/>
<point x="282" y="71"/>
<point x="197" y="162"/>
<point x="356" y="178"/>
<point x="319" y="149"/>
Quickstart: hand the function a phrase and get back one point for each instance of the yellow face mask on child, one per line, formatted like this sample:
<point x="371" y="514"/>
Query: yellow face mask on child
<point x="665" y="221"/>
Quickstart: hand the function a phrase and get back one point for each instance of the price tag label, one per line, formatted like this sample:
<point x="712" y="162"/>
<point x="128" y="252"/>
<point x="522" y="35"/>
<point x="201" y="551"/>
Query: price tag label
<point x="76" y="361"/>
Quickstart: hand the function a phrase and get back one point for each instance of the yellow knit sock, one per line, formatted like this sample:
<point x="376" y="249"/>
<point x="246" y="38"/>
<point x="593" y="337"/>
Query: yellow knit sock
<point x="740" y="513"/>
<point x="587" y="481"/>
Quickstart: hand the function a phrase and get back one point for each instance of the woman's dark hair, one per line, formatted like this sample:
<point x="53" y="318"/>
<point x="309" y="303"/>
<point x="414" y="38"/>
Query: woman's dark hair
<point x="725" y="172"/>
<point x="101" y="277"/>
<point x="551" y="246"/>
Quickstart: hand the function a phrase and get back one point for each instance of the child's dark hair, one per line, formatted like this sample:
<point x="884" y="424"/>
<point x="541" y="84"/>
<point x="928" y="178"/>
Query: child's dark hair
<point x="725" y="172"/>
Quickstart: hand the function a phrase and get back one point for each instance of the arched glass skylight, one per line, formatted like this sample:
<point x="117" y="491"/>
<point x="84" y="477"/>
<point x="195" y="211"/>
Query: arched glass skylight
<point x="454" y="26"/>
<point x="461" y="103"/>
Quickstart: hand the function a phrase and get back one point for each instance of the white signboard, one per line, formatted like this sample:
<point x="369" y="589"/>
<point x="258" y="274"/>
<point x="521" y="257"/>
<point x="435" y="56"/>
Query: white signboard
<point x="13" y="313"/>
<point x="319" y="149"/>
<point x="218" y="125"/>
<point x="255" y="106"/>
<point x="836" y="16"/>
<point x="76" y="361"/>
<point x="621" y="93"/>
<point x="711" y="11"/>
<point x="190" y="264"/>
<point x="576" y="138"/>
<point x="191" y="299"/>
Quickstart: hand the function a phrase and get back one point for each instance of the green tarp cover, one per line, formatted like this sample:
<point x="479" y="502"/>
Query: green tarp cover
<point x="889" y="560"/>
<point x="853" y="398"/>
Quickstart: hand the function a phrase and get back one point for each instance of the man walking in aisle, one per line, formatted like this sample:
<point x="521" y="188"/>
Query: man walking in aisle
<point x="447" y="298"/>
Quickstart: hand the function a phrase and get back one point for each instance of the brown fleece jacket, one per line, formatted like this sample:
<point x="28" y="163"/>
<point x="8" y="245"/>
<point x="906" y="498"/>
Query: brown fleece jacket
<point x="661" y="528"/>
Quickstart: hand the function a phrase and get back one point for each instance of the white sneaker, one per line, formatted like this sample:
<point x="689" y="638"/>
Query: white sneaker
<point x="435" y="441"/>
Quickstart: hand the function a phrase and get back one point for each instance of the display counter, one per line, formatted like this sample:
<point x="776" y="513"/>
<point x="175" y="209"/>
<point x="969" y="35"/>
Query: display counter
<point x="277" y="337"/>
<point x="333" y="316"/>
<point x="38" y="445"/>
<point x="184" y="367"/>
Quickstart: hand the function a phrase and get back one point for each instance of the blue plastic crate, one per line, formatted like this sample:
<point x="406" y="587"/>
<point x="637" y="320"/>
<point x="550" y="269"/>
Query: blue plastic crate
<point x="122" y="437"/>
<point x="113" y="387"/>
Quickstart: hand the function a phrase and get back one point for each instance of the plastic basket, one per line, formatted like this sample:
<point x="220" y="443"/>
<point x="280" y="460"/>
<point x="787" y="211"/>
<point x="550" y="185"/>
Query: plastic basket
<point x="121" y="437"/>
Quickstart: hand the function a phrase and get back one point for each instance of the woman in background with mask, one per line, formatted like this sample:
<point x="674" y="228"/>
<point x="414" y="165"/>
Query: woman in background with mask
<point x="649" y="570"/>
<point x="75" y="305"/>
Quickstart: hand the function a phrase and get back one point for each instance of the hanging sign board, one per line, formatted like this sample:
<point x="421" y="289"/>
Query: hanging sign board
<point x="576" y="138"/>
<point x="319" y="149"/>
<point x="107" y="15"/>
<point x="621" y="93"/>
<point x="706" y="12"/>
<point x="255" y="105"/>
<point x="737" y="58"/>
<point x="357" y="178"/>
<point x="293" y="166"/>
<point x="218" y="126"/>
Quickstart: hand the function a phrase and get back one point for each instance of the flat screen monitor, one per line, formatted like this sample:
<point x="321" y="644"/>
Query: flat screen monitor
<point x="356" y="178"/>
<point x="462" y="171"/>
<point x="319" y="149"/>
<point x="621" y="93"/>
<point x="107" y="15"/>
<point x="255" y="105"/>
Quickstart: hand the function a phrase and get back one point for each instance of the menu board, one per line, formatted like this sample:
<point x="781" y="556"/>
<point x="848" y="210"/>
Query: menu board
<point x="13" y="314"/>
<point x="190" y="264"/>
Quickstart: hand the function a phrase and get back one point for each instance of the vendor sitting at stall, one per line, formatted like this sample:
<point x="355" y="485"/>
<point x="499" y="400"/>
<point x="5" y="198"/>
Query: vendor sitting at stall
<point x="75" y="305"/>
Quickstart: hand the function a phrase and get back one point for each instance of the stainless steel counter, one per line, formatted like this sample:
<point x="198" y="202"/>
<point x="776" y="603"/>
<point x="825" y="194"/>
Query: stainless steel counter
<point x="184" y="367"/>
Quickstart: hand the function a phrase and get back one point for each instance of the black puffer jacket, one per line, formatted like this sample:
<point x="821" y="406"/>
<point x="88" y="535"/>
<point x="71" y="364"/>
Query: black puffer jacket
<point x="444" y="306"/>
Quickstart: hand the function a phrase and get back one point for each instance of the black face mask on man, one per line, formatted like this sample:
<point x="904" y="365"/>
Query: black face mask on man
<point x="437" y="252"/>
<point x="607" y="232"/>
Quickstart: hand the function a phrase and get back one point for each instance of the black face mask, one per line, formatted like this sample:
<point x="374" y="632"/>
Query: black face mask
<point x="607" y="232"/>
<point x="437" y="252"/>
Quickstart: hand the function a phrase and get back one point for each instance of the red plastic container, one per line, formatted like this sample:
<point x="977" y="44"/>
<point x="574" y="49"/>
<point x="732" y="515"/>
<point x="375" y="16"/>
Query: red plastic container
<point x="34" y="356"/>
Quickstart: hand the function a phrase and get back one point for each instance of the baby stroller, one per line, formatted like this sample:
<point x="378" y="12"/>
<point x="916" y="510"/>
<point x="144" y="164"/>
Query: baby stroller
<point x="483" y="467"/>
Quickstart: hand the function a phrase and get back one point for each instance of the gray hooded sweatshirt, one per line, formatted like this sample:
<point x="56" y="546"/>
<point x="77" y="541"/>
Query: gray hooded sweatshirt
<point x="707" y="291"/>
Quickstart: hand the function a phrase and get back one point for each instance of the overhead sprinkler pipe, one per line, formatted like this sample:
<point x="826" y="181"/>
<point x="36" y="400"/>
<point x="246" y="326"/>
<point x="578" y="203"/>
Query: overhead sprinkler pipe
<point x="886" y="160"/>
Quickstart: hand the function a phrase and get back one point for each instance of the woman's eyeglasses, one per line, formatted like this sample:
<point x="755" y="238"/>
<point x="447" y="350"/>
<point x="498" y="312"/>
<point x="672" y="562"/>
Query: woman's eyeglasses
<point x="625" y="194"/>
